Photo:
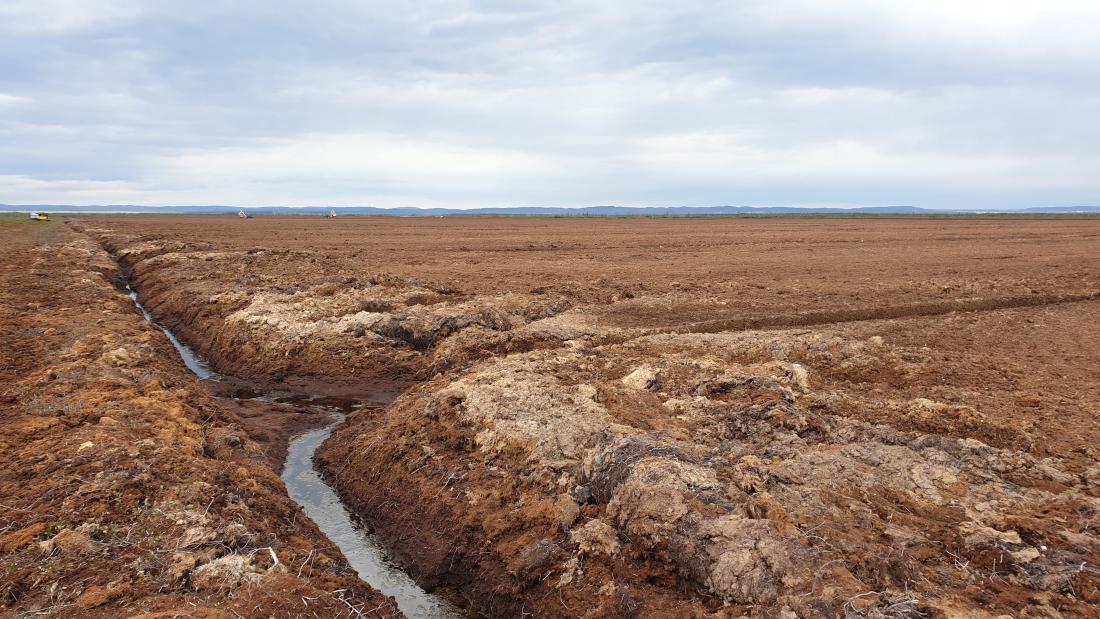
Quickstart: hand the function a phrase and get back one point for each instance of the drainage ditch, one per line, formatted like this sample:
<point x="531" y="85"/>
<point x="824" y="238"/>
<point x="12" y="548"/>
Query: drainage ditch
<point x="318" y="500"/>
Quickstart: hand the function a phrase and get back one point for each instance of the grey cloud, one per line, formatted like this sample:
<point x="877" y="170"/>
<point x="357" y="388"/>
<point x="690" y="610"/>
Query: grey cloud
<point x="626" y="102"/>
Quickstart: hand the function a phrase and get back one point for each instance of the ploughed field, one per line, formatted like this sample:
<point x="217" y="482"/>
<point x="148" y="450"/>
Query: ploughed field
<point x="635" y="417"/>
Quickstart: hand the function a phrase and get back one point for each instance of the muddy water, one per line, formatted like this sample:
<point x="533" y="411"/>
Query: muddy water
<point x="321" y="503"/>
<point x="367" y="558"/>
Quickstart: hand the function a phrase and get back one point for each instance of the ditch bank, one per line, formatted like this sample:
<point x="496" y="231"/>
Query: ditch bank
<point x="307" y="488"/>
<point x="699" y="475"/>
<point x="288" y="321"/>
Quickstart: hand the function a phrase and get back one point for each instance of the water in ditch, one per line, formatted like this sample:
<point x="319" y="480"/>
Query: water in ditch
<point x="198" y="366"/>
<point x="321" y="503"/>
<point x="367" y="558"/>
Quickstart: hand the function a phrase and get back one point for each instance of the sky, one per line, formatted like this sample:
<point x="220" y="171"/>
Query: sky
<point x="940" y="104"/>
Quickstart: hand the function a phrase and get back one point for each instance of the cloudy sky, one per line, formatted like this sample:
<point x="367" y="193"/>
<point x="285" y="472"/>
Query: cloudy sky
<point x="938" y="103"/>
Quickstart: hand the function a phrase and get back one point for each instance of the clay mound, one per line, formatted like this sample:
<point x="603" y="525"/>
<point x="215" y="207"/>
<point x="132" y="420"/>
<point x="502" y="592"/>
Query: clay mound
<point x="713" y="459"/>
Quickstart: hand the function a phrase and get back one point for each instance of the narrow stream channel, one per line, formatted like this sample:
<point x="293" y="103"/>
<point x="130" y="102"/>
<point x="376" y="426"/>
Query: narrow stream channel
<point x="198" y="367"/>
<point x="321" y="503"/>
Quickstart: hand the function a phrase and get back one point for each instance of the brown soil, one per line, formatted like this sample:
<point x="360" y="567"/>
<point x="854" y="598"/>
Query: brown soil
<point x="681" y="417"/>
<point x="127" y="489"/>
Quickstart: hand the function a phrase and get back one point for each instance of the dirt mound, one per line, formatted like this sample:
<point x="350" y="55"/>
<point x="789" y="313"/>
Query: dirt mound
<point x="741" y="484"/>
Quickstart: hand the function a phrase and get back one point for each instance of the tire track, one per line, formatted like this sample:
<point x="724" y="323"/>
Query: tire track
<point x="912" y="310"/>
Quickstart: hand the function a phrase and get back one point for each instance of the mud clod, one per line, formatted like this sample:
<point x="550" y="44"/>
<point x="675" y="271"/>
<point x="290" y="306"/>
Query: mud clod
<point x="225" y="573"/>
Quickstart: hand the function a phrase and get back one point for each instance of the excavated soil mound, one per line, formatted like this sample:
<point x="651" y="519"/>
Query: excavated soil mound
<point x="677" y="473"/>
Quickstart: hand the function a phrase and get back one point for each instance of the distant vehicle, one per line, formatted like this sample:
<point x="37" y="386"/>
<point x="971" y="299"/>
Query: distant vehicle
<point x="332" y="213"/>
<point x="40" y="217"/>
<point x="243" y="215"/>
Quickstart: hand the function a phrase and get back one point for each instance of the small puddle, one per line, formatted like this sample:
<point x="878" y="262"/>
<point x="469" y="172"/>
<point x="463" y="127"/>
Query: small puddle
<point x="319" y="501"/>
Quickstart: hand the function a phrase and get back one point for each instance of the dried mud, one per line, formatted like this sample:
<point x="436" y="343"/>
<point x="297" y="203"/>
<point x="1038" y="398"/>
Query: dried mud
<point x="681" y="418"/>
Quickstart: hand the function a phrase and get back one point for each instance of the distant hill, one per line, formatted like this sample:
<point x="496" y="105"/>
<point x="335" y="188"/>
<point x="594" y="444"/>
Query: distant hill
<point x="540" y="211"/>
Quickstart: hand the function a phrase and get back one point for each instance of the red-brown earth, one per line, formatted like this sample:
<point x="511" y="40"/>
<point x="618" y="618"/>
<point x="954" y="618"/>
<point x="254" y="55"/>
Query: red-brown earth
<point x="780" y="417"/>
<point x="127" y="490"/>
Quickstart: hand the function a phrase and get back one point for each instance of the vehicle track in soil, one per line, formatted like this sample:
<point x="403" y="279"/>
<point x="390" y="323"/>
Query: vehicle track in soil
<point x="825" y="318"/>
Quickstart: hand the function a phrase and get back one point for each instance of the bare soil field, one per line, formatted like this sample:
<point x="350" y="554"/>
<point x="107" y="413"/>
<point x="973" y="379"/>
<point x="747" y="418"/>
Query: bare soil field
<point x="682" y="418"/>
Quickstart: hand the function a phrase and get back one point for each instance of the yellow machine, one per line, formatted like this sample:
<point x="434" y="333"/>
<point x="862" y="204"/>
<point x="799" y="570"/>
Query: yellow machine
<point x="40" y="217"/>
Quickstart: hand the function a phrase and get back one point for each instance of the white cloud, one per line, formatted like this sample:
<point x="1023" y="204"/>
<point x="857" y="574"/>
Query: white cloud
<point x="390" y="160"/>
<point x="7" y="100"/>
<point x="1029" y="26"/>
<point x="24" y="189"/>
<point x="62" y="16"/>
<point x="702" y="158"/>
